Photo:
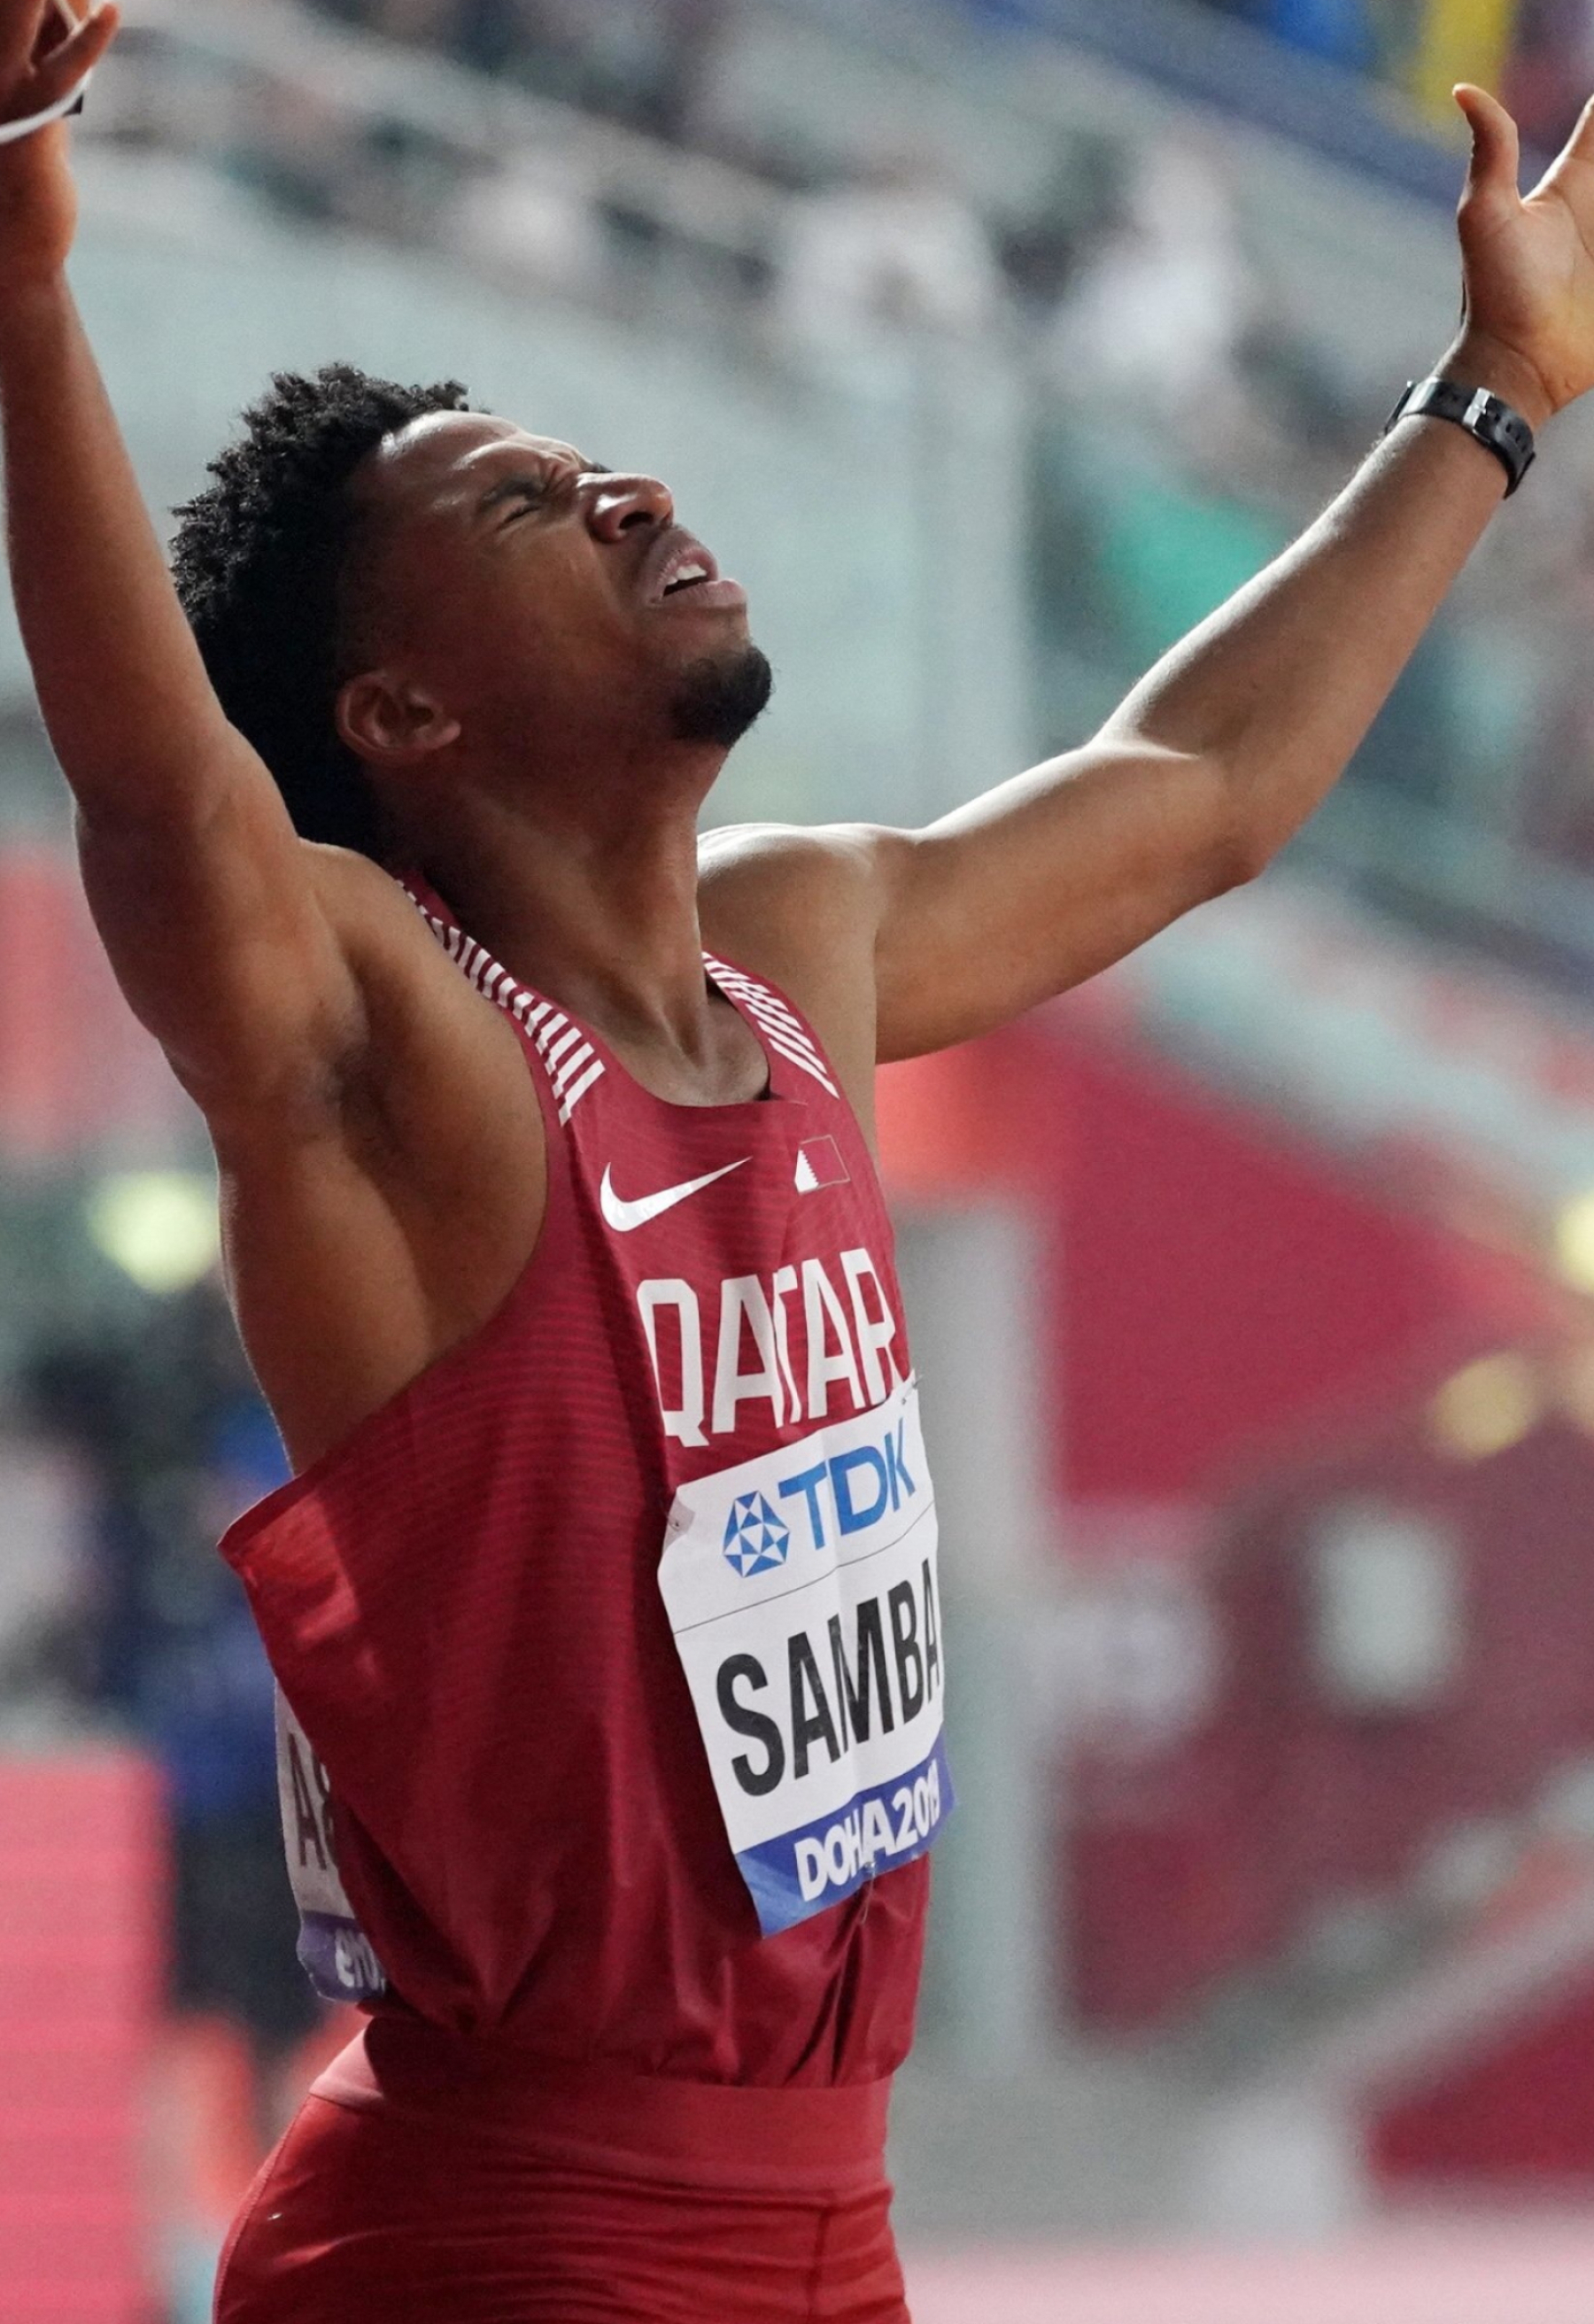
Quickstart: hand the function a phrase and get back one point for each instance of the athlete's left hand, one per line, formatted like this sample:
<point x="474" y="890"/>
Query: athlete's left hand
<point x="1527" y="266"/>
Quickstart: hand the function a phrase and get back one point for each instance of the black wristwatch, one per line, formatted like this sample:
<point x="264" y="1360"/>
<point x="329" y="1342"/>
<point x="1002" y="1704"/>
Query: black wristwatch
<point x="1499" y="430"/>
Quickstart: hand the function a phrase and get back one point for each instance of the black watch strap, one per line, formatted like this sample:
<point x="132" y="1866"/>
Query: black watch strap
<point x="1499" y="430"/>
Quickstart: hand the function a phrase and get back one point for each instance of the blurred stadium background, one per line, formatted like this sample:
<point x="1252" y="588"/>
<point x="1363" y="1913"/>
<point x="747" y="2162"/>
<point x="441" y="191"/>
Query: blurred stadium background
<point x="994" y="344"/>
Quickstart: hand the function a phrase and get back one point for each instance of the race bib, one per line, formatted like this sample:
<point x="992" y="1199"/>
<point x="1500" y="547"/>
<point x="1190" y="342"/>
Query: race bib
<point x="801" y="1588"/>
<point x="333" y="1951"/>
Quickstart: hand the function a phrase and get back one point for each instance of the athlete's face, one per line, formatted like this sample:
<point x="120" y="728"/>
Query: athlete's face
<point x="505" y="591"/>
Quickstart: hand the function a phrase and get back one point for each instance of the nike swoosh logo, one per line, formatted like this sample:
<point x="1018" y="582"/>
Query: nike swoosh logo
<point x="626" y="1217"/>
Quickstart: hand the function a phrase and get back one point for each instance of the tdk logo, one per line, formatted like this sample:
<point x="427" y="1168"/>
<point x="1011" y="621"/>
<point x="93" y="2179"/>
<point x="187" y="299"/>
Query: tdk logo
<point x="853" y="1491"/>
<point x="756" y="1542"/>
<point x="845" y="1494"/>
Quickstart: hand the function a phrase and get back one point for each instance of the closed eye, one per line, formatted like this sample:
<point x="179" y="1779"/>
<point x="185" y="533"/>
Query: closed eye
<point x="532" y="491"/>
<point x="520" y="496"/>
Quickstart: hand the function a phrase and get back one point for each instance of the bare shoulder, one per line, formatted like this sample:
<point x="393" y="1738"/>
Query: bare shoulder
<point x="787" y="902"/>
<point x="801" y="906"/>
<point x="783" y="853"/>
<point x="804" y="891"/>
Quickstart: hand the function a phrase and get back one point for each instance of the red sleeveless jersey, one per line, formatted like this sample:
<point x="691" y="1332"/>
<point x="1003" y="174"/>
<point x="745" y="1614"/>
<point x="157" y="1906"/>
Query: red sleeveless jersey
<point x="610" y="1651"/>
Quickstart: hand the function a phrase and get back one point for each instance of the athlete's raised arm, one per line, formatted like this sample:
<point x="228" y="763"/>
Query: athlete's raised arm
<point x="1226" y="748"/>
<point x="208" y="903"/>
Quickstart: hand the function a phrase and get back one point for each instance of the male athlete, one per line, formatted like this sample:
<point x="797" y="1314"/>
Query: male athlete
<point x="604" y="1602"/>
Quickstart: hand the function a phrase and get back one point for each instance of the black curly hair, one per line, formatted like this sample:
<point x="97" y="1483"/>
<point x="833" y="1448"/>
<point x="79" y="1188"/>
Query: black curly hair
<point x="257" y="558"/>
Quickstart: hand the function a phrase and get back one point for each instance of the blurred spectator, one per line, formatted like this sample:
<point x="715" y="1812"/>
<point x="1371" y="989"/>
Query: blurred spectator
<point x="1157" y="316"/>
<point x="658" y="55"/>
<point x="900" y="246"/>
<point x="641" y="62"/>
<point x="1081" y="202"/>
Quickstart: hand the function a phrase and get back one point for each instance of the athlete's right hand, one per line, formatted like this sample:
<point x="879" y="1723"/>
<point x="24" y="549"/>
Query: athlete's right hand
<point x="41" y="60"/>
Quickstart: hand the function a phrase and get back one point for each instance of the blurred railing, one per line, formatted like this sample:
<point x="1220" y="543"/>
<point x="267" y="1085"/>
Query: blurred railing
<point x="196" y="81"/>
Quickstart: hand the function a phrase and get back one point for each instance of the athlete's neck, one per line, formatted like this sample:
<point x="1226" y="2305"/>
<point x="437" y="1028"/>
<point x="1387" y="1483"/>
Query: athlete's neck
<point x="602" y="919"/>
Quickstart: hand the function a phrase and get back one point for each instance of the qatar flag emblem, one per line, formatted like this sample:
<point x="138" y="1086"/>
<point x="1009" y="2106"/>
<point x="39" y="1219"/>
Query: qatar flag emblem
<point x="819" y="1164"/>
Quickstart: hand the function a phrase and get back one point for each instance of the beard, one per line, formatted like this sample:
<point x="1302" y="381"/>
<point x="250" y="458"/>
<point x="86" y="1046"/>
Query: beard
<point x="720" y="696"/>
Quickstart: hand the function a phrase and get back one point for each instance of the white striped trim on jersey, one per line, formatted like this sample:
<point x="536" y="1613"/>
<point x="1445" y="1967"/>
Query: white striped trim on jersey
<point x="781" y="1026"/>
<point x="572" y="1063"/>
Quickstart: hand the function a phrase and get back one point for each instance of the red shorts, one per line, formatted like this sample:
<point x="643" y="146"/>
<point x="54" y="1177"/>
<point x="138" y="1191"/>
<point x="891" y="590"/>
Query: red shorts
<point x="420" y="2184"/>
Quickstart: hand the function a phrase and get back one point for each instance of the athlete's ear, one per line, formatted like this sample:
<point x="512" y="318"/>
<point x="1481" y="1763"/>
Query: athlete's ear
<point x="390" y="722"/>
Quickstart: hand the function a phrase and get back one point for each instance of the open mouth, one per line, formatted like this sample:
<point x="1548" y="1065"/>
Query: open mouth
<point x="682" y="570"/>
<point x="692" y="576"/>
